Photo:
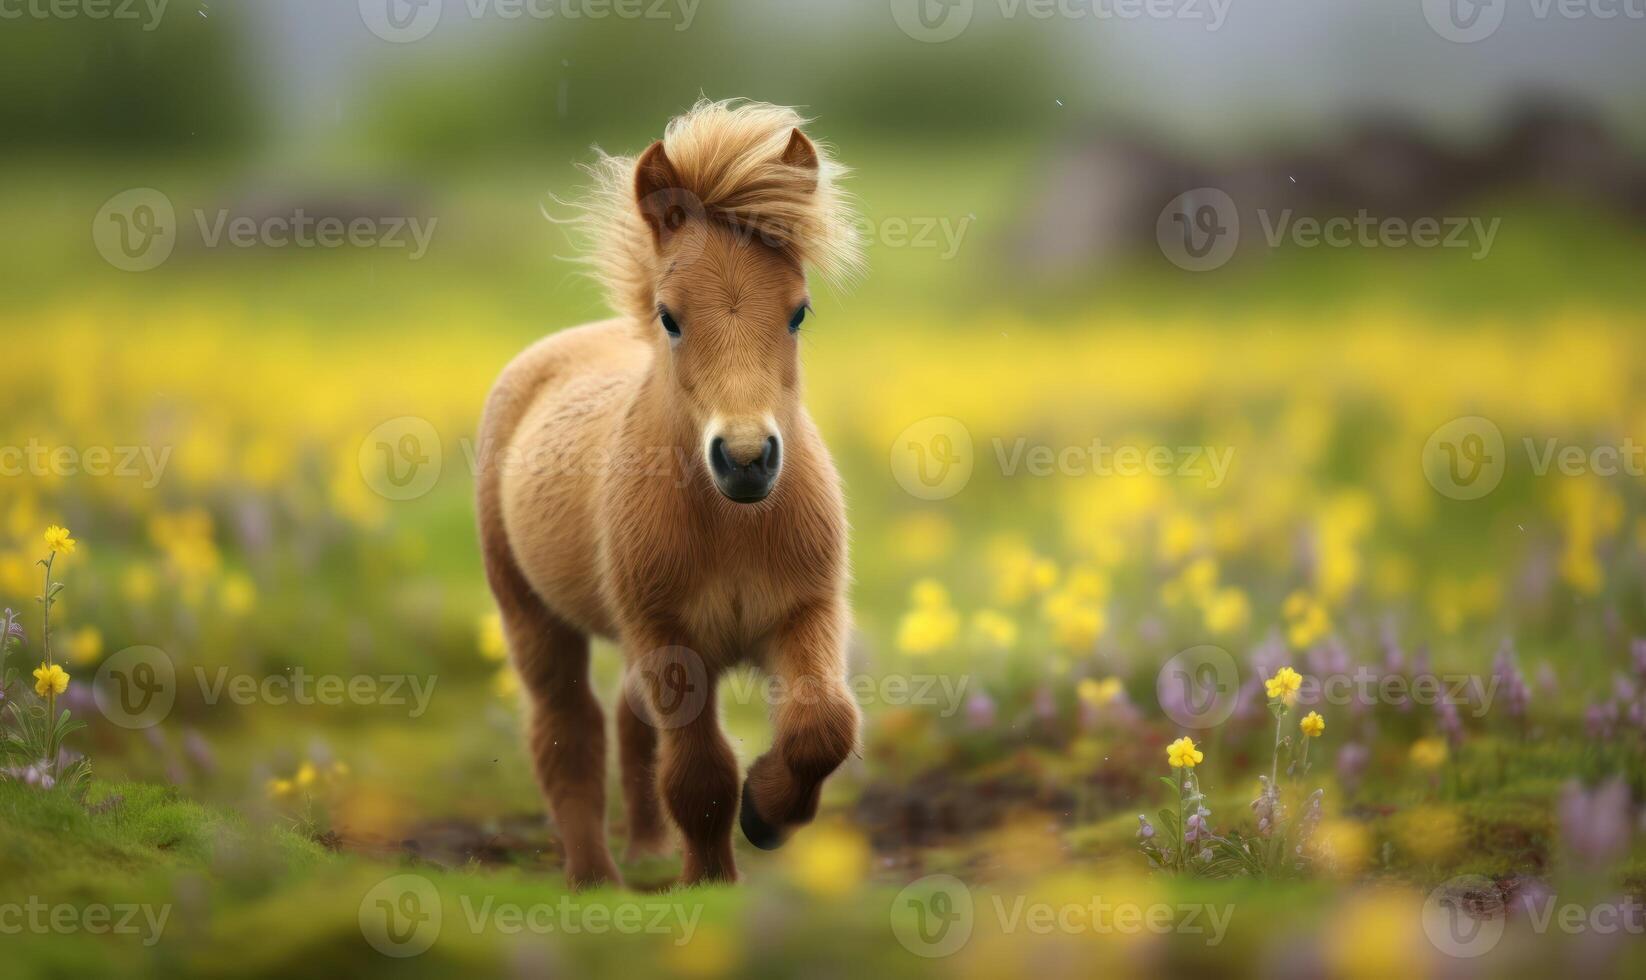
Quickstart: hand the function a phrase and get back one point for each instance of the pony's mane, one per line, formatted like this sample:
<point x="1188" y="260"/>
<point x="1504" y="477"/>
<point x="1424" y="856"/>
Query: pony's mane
<point x="727" y="155"/>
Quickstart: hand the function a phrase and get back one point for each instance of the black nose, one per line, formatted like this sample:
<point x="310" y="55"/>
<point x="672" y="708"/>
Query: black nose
<point x="748" y="482"/>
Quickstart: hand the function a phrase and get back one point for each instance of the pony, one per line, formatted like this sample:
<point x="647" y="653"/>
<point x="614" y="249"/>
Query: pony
<point x="660" y="485"/>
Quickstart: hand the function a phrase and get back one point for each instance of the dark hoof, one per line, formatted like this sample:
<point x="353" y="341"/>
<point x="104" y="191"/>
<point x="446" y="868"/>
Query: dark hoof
<point x="760" y="833"/>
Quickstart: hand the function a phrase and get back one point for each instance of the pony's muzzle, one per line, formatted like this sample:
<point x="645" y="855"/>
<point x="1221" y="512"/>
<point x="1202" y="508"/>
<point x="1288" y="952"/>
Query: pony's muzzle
<point x="745" y="477"/>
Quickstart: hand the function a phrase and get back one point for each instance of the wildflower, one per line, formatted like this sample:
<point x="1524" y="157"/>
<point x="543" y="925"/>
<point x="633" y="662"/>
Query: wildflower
<point x="1351" y="763"/>
<point x="1312" y="724"/>
<point x="50" y="680"/>
<point x="1076" y="620"/>
<point x="1266" y="808"/>
<point x="14" y="629"/>
<point x="1226" y="611"/>
<point x="239" y="595"/>
<point x="1306" y="620"/>
<point x="57" y="539"/>
<point x="489" y="637"/>
<point x="1195" y="827"/>
<point x="994" y="629"/>
<point x="1183" y="753"/>
<point x="306" y="775"/>
<point x="86" y="645"/>
<point x="1600" y="720"/>
<point x="1098" y="692"/>
<point x="931" y="625"/>
<point x="1429" y="753"/>
<point x="829" y="862"/>
<point x="1595" y="824"/>
<point x="1145" y="830"/>
<point x="1513" y="683"/>
<point x="1283" y="686"/>
<point x="980" y="711"/>
<point x="279" y="789"/>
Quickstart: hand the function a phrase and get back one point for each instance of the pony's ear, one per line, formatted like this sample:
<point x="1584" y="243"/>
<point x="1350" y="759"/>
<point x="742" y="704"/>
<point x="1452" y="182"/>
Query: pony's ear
<point x="801" y="154"/>
<point x="662" y="201"/>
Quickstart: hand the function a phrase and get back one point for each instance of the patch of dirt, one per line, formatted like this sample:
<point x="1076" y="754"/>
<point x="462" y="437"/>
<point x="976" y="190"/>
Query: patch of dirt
<point x="522" y="841"/>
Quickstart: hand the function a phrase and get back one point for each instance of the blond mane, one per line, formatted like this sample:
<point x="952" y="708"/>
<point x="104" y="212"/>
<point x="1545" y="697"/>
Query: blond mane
<point x="727" y="155"/>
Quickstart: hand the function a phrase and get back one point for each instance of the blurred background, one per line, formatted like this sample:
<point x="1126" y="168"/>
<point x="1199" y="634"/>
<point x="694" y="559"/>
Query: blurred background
<point x="1334" y="261"/>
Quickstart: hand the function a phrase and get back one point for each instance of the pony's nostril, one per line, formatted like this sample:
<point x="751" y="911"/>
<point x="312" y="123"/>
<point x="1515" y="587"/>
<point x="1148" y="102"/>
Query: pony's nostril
<point x="719" y="458"/>
<point x="771" y="456"/>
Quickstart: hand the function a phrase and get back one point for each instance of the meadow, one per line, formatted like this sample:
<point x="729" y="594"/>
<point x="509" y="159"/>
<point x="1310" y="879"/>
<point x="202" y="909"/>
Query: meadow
<point x="1157" y="491"/>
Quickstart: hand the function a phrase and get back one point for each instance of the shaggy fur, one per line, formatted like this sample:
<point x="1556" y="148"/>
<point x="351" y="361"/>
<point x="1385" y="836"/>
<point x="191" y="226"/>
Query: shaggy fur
<point x="598" y="515"/>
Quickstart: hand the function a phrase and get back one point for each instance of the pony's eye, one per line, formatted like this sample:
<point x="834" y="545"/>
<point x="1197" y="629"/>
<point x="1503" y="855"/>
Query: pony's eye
<point x="795" y="321"/>
<point x="667" y="320"/>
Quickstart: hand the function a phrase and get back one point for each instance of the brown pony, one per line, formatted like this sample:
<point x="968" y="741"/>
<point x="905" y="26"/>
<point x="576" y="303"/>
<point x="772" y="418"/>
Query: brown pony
<point x="658" y="483"/>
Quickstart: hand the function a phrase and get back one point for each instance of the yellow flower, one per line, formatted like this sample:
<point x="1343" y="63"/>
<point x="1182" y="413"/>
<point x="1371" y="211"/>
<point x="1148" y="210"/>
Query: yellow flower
<point x="1226" y="611"/>
<point x="929" y="593"/>
<point x="1283" y="685"/>
<point x="1429" y="753"/>
<point x="828" y="861"/>
<point x="1306" y="620"/>
<point x="1183" y="753"/>
<point x="239" y="595"/>
<point x="50" y="679"/>
<point x="1098" y="692"/>
<point x="1312" y="724"/>
<point x="279" y="789"/>
<point x="86" y="645"/>
<point x="57" y="539"/>
<point x="306" y="775"/>
<point x="1076" y="622"/>
<point x="490" y="637"/>
<point x="931" y="625"/>
<point x="995" y="629"/>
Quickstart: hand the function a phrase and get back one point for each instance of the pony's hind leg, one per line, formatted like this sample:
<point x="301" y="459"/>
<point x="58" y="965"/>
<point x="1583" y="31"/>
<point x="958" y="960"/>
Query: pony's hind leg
<point x="568" y="740"/>
<point x="637" y="752"/>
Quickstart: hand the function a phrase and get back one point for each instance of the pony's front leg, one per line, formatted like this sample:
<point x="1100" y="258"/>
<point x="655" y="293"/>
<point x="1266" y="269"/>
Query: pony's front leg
<point x="696" y="770"/>
<point x="814" y="726"/>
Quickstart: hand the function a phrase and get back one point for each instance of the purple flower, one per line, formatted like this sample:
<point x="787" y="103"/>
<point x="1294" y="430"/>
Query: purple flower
<point x="1637" y="651"/>
<point x="1351" y="763"/>
<point x="1600" y="720"/>
<point x="980" y="711"/>
<point x="1510" y="681"/>
<point x="1145" y="830"/>
<point x="1595" y="823"/>
<point x="1450" y="723"/>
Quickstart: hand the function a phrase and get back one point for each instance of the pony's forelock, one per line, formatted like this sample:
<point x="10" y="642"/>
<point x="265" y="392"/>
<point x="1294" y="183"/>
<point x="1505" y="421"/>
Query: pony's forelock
<point x="728" y="157"/>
